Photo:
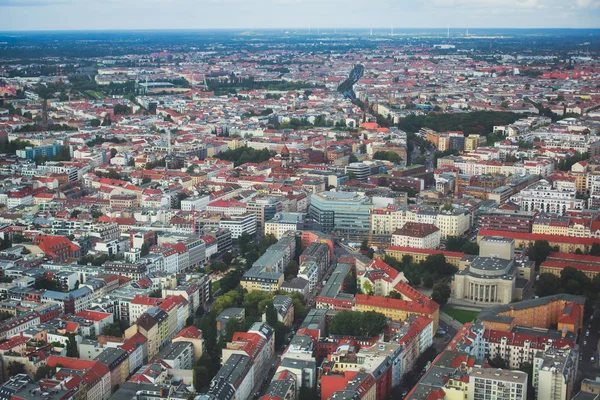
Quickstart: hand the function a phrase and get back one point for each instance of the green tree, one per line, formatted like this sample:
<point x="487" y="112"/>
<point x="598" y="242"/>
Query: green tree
<point x="271" y="315"/>
<point x="144" y="251"/>
<point x="95" y="122"/>
<point x="350" y="285"/>
<point x="428" y="280"/>
<point x="539" y="251"/>
<point x="364" y="245"/>
<point x="436" y="264"/>
<point x="574" y="281"/>
<point x="354" y="323"/>
<point x="352" y="159"/>
<point x="362" y="148"/>
<point x="112" y="329"/>
<point x="208" y="326"/>
<point x="227" y="258"/>
<point x="547" y="285"/>
<point x="367" y="288"/>
<point x="454" y="243"/>
<point x="470" y="248"/>
<point x="44" y="372"/>
<point x="204" y="371"/>
<point x="281" y="331"/>
<point x="255" y="302"/>
<point x="387" y="156"/>
<point x="72" y="349"/>
<point x="595" y="249"/>
<point x="498" y="362"/>
<point x="15" y="368"/>
<point x="441" y="293"/>
<point x="395" y="295"/>
<point x="292" y="270"/>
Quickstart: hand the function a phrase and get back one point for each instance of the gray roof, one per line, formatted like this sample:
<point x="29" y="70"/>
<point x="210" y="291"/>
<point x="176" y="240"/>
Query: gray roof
<point x="491" y="314"/>
<point x="295" y="283"/>
<point x="173" y="350"/>
<point x="279" y="388"/>
<point x="128" y="390"/>
<point x="234" y="370"/>
<point x="232" y="312"/>
<point x="112" y="357"/>
<point x="336" y="280"/>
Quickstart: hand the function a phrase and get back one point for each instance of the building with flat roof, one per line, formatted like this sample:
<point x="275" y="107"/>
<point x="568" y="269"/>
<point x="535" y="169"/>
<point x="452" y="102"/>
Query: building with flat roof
<point x="341" y="211"/>
<point x="267" y="272"/>
<point x="554" y="373"/>
<point x="284" y="222"/>
<point x="508" y="385"/>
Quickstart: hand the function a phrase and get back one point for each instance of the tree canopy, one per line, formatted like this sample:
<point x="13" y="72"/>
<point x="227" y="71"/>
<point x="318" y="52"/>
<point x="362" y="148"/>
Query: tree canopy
<point x="476" y="122"/>
<point x="539" y="251"/>
<point x="355" y="323"/>
<point x="387" y="156"/>
<point x="245" y="154"/>
<point x="441" y="293"/>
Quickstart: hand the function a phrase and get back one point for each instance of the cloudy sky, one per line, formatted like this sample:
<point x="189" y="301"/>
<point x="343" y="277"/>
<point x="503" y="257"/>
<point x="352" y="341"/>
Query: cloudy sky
<point x="208" y="14"/>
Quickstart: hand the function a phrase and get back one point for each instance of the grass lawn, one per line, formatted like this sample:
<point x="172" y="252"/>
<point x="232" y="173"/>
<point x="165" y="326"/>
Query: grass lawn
<point x="461" y="315"/>
<point x="94" y="93"/>
<point x="216" y="286"/>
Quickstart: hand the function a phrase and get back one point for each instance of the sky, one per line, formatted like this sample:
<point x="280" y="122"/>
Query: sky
<point x="253" y="14"/>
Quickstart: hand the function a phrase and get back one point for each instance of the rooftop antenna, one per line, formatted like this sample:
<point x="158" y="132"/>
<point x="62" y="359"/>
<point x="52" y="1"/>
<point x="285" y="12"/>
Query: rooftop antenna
<point x="318" y="31"/>
<point x="392" y="29"/>
<point x="371" y="31"/>
<point x="309" y="28"/>
<point x="448" y="32"/>
<point x="467" y="32"/>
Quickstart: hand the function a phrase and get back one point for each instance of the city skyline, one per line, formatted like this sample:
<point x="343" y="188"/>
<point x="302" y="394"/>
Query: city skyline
<point x="25" y="15"/>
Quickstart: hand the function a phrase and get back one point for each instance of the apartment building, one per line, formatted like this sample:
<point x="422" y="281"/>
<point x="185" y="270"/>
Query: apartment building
<point x="416" y="235"/>
<point x="283" y="223"/>
<point x="554" y="373"/>
<point x="489" y="383"/>
<point x="548" y="197"/>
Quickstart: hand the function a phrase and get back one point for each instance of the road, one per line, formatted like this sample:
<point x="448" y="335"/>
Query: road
<point x="588" y="348"/>
<point x="265" y="377"/>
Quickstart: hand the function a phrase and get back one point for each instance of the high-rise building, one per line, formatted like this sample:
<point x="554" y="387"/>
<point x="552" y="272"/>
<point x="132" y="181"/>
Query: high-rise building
<point x="341" y="211"/>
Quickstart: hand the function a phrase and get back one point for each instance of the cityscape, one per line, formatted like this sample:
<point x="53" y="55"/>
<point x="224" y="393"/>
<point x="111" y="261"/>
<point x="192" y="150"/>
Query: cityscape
<point x="301" y="213"/>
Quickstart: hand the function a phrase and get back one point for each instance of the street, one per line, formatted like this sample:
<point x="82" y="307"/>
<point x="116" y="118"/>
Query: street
<point x="588" y="348"/>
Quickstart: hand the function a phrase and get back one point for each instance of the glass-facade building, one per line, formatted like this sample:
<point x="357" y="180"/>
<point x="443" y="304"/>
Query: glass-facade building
<point x="344" y="212"/>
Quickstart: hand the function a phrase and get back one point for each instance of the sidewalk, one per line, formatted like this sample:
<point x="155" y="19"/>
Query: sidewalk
<point x="450" y="321"/>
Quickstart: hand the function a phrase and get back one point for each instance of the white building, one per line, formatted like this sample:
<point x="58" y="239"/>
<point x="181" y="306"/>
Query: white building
<point x="547" y="197"/>
<point x="239" y="224"/>
<point x="309" y="270"/>
<point x="419" y="236"/>
<point x="489" y="383"/>
<point x="196" y="203"/>
<point x="284" y="222"/>
<point x="554" y="373"/>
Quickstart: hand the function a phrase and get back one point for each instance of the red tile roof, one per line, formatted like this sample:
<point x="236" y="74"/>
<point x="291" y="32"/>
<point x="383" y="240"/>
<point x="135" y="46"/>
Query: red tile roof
<point x="395" y="304"/>
<point x="93" y="315"/>
<point x="426" y="251"/>
<point x="539" y="236"/>
<point x="190" y="332"/>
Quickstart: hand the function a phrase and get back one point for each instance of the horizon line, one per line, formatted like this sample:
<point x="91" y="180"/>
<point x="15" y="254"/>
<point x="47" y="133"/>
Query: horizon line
<point x="306" y="28"/>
